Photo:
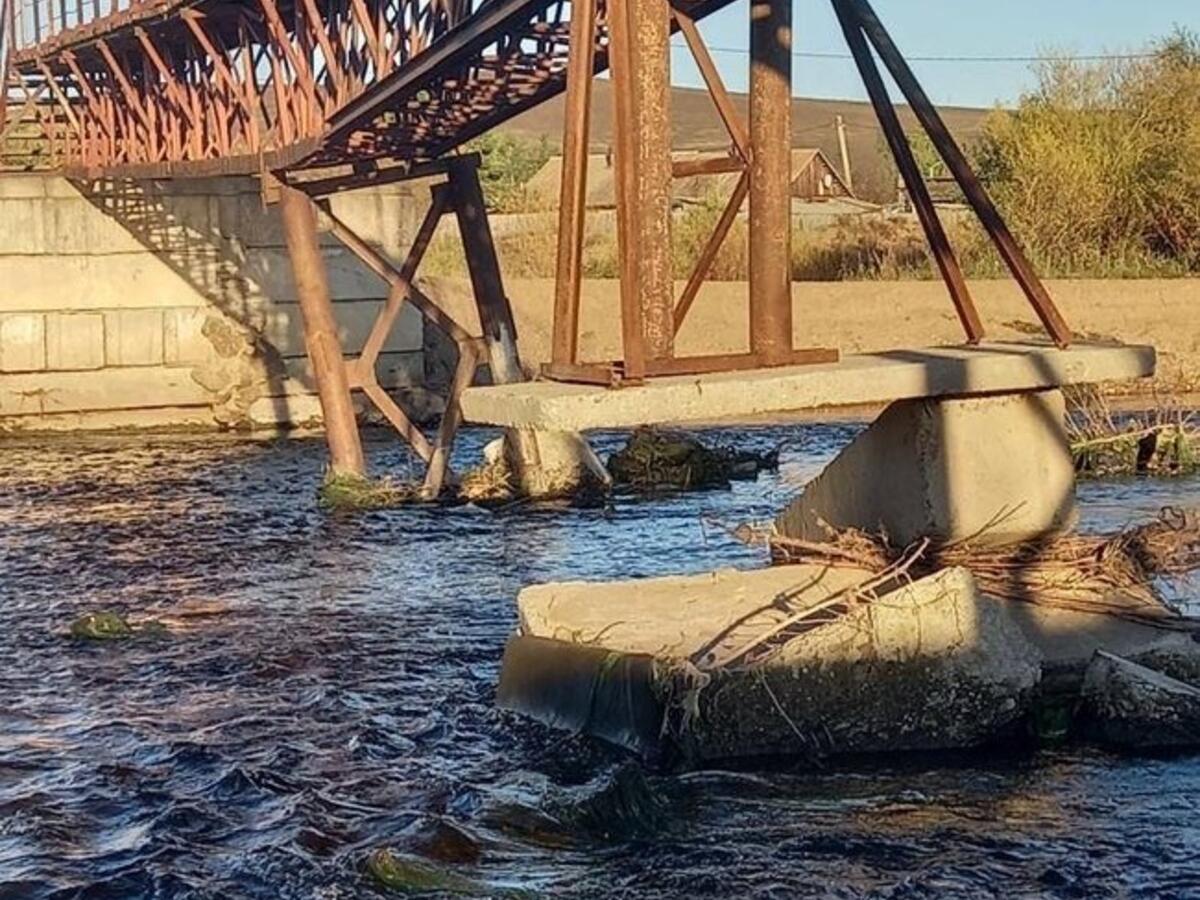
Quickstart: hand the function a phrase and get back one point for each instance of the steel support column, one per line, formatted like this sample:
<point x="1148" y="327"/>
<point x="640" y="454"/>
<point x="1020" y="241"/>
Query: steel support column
<point x="641" y="70"/>
<point x="320" y="332"/>
<point x="906" y="165"/>
<point x="770" y="179"/>
<point x="573" y="195"/>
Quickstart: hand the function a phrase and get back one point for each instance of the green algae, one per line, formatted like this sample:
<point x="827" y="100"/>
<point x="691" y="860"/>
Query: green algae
<point x="106" y="625"/>
<point x="403" y="873"/>
<point x="342" y="491"/>
<point x="101" y="626"/>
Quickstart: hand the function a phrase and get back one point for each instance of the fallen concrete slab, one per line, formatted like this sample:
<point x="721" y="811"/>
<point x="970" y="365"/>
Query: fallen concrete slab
<point x="864" y="379"/>
<point x="1130" y="706"/>
<point x="931" y="665"/>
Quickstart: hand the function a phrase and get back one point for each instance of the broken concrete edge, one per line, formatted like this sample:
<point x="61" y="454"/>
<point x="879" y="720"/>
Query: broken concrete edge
<point x="611" y="660"/>
<point x="1128" y="706"/>
<point x="940" y="669"/>
<point x="856" y="380"/>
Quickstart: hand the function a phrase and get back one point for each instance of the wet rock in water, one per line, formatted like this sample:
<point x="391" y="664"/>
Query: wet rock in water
<point x="438" y="838"/>
<point x="110" y="626"/>
<point x="625" y="808"/>
<point x="406" y="874"/>
<point x="410" y="875"/>
<point x="1130" y="706"/>
<point x="101" y="626"/>
<point x="612" y="809"/>
<point x="666" y="460"/>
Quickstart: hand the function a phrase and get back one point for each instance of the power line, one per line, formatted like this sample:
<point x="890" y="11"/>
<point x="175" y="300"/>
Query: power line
<point x="1093" y="57"/>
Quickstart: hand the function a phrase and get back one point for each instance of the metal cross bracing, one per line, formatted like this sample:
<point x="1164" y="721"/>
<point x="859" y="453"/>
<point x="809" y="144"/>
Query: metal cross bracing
<point x="321" y="96"/>
<point x="205" y="87"/>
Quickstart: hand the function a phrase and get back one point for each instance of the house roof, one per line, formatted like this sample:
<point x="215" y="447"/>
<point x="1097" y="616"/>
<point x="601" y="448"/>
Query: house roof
<point x="601" y="178"/>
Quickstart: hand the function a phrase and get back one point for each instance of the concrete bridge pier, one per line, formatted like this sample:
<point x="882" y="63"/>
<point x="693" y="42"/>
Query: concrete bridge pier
<point x="995" y="469"/>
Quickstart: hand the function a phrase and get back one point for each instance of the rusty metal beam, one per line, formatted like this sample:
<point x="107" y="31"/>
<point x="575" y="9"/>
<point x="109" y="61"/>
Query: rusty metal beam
<point x="1010" y="251"/>
<point x="906" y="163"/>
<point x="770" y="178"/>
<point x="572" y="209"/>
<point x="320" y="332"/>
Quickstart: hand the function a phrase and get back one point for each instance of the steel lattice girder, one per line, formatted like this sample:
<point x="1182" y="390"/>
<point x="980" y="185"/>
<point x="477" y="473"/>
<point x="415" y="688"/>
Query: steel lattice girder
<point x="200" y="88"/>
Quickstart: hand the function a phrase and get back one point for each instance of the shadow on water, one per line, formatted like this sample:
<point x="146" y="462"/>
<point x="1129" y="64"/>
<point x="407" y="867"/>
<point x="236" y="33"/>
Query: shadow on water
<point x="328" y="689"/>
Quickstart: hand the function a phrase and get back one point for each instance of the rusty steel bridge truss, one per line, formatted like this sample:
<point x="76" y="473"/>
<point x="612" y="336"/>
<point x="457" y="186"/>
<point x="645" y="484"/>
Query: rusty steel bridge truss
<point x="323" y="96"/>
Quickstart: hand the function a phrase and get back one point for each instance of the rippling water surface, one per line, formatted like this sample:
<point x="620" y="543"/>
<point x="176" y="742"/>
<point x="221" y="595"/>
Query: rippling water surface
<point x="337" y="695"/>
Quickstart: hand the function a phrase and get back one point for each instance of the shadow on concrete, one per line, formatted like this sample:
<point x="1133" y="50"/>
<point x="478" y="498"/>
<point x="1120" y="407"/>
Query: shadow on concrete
<point x="216" y="235"/>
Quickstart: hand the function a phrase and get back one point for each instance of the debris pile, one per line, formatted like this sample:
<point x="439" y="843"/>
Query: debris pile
<point x="1107" y="574"/>
<point x="657" y="460"/>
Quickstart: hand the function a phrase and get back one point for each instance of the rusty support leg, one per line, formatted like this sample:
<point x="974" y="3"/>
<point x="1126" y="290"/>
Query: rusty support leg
<point x="961" y="169"/>
<point x="642" y="82"/>
<point x="495" y="313"/>
<point x="770" y="179"/>
<point x="464" y="374"/>
<point x="320" y="332"/>
<point x="906" y="163"/>
<point x="573" y="198"/>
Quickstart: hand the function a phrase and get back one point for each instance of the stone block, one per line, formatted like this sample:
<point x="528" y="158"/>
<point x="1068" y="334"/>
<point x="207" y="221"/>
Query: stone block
<point x="74" y="341"/>
<point x="50" y="283"/>
<point x="271" y="270"/>
<point x="1130" y="706"/>
<point x="53" y="393"/>
<point x="23" y="226"/>
<point x="19" y="186"/>
<point x="995" y="469"/>
<point x="184" y="341"/>
<point x="284" y="327"/>
<point x="22" y="342"/>
<point x="133" y="337"/>
<point x="75" y="226"/>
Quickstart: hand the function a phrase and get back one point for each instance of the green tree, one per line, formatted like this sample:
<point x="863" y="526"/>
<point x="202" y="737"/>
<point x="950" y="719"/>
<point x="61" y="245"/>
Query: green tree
<point x="508" y="164"/>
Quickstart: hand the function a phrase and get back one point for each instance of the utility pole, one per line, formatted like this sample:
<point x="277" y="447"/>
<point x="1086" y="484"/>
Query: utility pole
<point x="843" y="145"/>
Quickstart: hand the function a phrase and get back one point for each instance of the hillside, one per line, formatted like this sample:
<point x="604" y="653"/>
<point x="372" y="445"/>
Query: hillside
<point x="697" y="127"/>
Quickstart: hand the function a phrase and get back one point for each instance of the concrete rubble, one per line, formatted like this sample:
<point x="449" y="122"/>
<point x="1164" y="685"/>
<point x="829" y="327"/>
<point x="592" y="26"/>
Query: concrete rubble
<point x="815" y="660"/>
<point x="931" y="665"/>
<point x="1130" y="706"/>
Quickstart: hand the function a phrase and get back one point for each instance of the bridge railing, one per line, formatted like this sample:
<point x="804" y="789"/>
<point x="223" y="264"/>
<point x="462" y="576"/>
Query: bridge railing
<point x="35" y="21"/>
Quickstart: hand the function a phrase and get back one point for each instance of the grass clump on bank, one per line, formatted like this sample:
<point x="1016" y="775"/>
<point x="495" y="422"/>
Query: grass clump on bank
<point x="343" y="491"/>
<point x="1164" y="441"/>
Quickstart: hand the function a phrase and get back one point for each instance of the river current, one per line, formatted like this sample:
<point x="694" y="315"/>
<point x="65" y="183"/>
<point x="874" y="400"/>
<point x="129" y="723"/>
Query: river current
<point x="328" y="687"/>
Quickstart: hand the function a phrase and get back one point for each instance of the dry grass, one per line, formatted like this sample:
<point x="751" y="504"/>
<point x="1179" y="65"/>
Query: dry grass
<point x="1163" y="440"/>
<point x="354" y="492"/>
<point x="1105" y="574"/>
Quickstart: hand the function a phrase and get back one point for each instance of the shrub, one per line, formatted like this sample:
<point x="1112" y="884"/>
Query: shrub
<point x="1099" y="167"/>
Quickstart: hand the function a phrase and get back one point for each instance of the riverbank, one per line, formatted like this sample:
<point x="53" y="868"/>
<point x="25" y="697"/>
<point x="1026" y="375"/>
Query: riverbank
<point x="869" y="316"/>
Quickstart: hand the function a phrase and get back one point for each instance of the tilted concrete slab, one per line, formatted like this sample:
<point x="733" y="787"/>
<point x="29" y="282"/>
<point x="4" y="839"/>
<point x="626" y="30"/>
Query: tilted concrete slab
<point x="866" y="379"/>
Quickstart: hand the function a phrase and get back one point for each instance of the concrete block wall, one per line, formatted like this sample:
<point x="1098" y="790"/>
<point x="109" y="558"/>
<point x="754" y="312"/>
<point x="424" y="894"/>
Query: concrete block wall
<point x="171" y="303"/>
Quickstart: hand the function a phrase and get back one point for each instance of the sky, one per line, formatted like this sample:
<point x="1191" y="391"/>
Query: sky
<point x="972" y="28"/>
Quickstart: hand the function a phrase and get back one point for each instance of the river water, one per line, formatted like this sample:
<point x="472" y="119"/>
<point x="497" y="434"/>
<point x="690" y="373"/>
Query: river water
<point x="339" y="697"/>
